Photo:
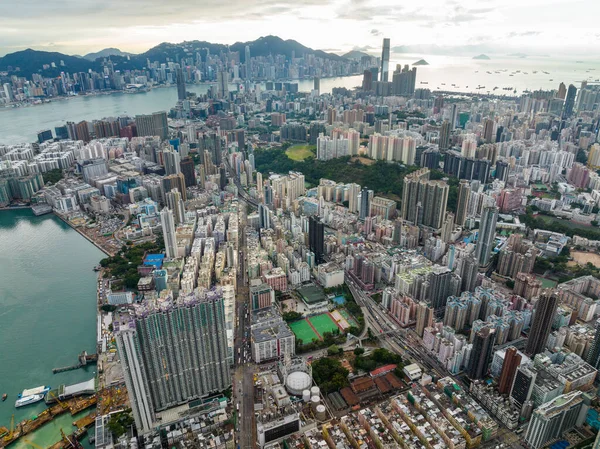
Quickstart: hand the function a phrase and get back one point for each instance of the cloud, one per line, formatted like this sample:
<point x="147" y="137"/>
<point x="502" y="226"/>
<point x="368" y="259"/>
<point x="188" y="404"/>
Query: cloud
<point x="375" y="32"/>
<point x="363" y="48"/>
<point x="523" y="34"/>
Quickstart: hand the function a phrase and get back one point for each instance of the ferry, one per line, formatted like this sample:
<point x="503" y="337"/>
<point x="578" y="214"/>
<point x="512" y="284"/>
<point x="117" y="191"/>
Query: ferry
<point x="27" y="400"/>
<point x="34" y="391"/>
<point x="4" y="396"/>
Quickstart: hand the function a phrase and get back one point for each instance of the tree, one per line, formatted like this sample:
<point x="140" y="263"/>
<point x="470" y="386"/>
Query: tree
<point x="510" y="283"/>
<point x="334" y="350"/>
<point x="120" y="422"/>
<point x="359" y="351"/>
<point x="291" y="316"/>
<point x="594" y="223"/>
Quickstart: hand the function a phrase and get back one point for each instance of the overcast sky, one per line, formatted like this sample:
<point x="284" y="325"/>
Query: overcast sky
<point x="496" y="26"/>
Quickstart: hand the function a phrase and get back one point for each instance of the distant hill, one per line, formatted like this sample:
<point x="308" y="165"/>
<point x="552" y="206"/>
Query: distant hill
<point x="420" y="62"/>
<point x="355" y="54"/>
<point x="482" y="57"/>
<point x="27" y="62"/>
<point x="105" y="53"/>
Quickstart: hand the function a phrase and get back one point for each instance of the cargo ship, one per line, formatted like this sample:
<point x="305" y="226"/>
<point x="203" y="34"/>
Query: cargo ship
<point x="34" y="391"/>
<point x="27" y="400"/>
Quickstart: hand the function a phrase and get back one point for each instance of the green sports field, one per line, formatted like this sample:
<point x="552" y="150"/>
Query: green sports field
<point x="303" y="331"/>
<point x="323" y="323"/>
<point x="300" y="152"/>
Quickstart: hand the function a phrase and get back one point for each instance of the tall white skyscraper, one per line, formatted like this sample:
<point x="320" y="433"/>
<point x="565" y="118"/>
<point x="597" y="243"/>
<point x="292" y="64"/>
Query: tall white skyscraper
<point x="176" y="204"/>
<point x="248" y="63"/>
<point x="171" y="161"/>
<point x="168" y="228"/>
<point x="223" y="84"/>
<point x="137" y="388"/>
<point x="385" y="59"/>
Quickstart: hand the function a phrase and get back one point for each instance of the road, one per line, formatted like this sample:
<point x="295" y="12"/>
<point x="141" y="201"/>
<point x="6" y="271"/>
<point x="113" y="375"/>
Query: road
<point x="243" y="388"/>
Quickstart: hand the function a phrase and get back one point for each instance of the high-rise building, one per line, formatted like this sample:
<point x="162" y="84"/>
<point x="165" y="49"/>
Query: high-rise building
<point x="562" y="91"/>
<point x="512" y="360"/>
<point x="223" y="84"/>
<point x="174" y="351"/>
<point x="248" y="63"/>
<point x="181" y="94"/>
<point x="316" y="238"/>
<point x="481" y="355"/>
<point x="152" y="125"/>
<point x="177" y="181"/>
<point x="502" y="171"/>
<point x="264" y="219"/>
<point x="522" y="386"/>
<point x="543" y="317"/>
<point x="82" y="131"/>
<point x="550" y="420"/>
<point x="167" y="222"/>
<point x="487" y="235"/>
<point x="366" y="196"/>
<point x="467" y="269"/>
<point x="424" y="317"/>
<point x="385" y="59"/>
<point x="488" y="131"/>
<point x="423" y="201"/>
<point x="176" y="205"/>
<point x="462" y="205"/>
<point x="317" y="84"/>
<point x="171" y="161"/>
<point x="442" y="284"/>
<point x="135" y="377"/>
<point x="593" y="357"/>
<point x="44" y="135"/>
<point x="569" y="102"/>
<point x="445" y="131"/>
<point x="189" y="171"/>
<point x="353" y="194"/>
<point x="367" y="82"/>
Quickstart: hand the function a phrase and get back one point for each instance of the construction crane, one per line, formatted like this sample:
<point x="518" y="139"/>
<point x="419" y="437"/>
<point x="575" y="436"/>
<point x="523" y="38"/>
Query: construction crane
<point x="62" y="404"/>
<point x="32" y="444"/>
<point x="72" y="444"/>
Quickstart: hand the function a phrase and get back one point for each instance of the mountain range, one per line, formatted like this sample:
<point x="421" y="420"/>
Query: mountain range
<point x="27" y="62"/>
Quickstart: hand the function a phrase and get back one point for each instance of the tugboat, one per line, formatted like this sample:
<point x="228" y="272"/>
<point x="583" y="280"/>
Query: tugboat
<point x="4" y="396"/>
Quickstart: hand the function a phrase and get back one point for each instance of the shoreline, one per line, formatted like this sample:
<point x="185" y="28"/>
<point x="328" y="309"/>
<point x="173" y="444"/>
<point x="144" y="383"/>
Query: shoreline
<point x="89" y="239"/>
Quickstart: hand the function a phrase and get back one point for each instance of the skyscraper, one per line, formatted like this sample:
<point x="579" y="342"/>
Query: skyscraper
<point x="171" y="161"/>
<point x="181" y="94"/>
<point x="353" y="193"/>
<point x="223" y="84"/>
<point x="442" y="284"/>
<point x="523" y="384"/>
<point x="365" y="203"/>
<point x="176" y="205"/>
<point x="175" y="351"/>
<point x="487" y="235"/>
<point x="424" y="317"/>
<point x="569" y="102"/>
<point x="462" y="205"/>
<point x="317" y="84"/>
<point x="467" y="270"/>
<point x="385" y="59"/>
<point x="445" y="131"/>
<point x="316" y="238"/>
<point x="248" y="63"/>
<point x="488" y="131"/>
<point x="593" y="357"/>
<point x="550" y="420"/>
<point x="512" y="359"/>
<point x="264" y="218"/>
<point x="152" y="125"/>
<point x="177" y="181"/>
<point x="367" y="80"/>
<point x="543" y="317"/>
<point x="481" y="355"/>
<point x="424" y="202"/>
<point x="167" y="222"/>
<point x="189" y="171"/>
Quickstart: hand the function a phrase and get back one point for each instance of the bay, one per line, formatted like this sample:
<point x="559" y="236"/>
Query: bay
<point x="22" y="124"/>
<point x="47" y="309"/>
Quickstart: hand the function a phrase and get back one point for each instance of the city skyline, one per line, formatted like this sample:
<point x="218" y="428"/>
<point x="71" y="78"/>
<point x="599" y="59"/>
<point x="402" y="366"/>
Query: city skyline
<point x="348" y="24"/>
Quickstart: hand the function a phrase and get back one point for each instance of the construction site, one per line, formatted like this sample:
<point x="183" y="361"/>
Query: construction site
<point x="105" y="400"/>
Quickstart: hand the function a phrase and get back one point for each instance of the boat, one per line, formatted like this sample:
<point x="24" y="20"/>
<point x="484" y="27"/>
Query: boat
<point x="27" y="400"/>
<point x="4" y="396"/>
<point x="97" y="268"/>
<point x="34" y="391"/>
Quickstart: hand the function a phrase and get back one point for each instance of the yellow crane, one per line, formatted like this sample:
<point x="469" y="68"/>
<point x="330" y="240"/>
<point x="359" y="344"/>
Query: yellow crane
<point x="62" y="404"/>
<point x="32" y="444"/>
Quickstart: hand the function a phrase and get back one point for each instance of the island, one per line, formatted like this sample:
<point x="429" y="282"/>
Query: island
<point x="421" y="62"/>
<point x="482" y="57"/>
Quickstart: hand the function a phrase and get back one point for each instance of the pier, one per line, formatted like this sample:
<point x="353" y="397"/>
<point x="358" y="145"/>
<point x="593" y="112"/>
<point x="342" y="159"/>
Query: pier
<point x="84" y="359"/>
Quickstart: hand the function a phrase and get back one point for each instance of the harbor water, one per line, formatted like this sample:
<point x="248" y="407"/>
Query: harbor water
<point x="446" y="73"/>
<point x="47" y="311"/>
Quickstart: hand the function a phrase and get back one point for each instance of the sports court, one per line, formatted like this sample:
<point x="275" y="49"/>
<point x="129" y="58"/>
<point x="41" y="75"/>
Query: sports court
<point x="323" y="323"/>
<point x="303" y="331"/>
